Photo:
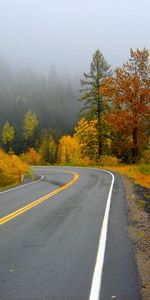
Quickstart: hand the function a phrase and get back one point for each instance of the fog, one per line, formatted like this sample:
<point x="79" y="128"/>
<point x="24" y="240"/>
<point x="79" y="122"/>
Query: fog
<point x="65" y="33"/>
<point x="45" y="46"/>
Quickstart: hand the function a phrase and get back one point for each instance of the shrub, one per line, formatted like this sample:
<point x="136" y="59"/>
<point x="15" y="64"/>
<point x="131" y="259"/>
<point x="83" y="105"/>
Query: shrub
<point x="31" y="157"/>
<point x="11" y="169"/>
<point x="106" y="160"/>
<point x="145" y="159"/>
<point x="145" y="169"/>
<point x="86" y="161"/>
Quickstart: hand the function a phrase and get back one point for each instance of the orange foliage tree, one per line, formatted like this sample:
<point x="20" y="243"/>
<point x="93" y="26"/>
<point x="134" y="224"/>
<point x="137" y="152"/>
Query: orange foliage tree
<point x="129" y="91"/>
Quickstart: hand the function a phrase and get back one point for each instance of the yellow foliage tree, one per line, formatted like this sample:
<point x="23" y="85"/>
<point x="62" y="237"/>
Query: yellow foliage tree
<point x="47" y="147"/>
<point x="86" y="133"/>
<point x="30" y="123"/>
<point x="8" y="134"/>
<point x="69" y="150"/>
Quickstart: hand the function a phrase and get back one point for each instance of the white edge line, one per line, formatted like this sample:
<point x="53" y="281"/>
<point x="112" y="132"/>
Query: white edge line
<point x="26" y="184"/>
<point x="97" y="275"/>
<point x="98" y="270"/>
<point x="21" y="186"/>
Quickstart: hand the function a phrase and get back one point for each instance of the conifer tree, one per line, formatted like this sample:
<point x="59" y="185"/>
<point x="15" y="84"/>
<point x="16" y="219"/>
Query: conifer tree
<point x="94" y="104"/>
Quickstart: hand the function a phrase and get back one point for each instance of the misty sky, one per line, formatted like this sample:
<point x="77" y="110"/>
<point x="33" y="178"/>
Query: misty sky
<point x="67" y="32"/>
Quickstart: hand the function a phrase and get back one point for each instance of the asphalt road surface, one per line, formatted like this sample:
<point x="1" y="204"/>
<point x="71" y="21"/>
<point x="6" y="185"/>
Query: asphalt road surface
<point x="66" y="238"/>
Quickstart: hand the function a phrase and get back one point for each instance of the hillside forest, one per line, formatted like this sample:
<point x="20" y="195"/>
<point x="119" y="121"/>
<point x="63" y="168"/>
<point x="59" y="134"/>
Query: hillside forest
<point x="49" y="120"/>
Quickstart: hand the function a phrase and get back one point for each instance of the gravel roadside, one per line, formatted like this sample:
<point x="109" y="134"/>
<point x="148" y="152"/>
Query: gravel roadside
<point x="138" y="199"/>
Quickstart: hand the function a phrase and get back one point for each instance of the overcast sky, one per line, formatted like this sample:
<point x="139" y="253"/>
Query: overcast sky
<point x="67" y="32"/>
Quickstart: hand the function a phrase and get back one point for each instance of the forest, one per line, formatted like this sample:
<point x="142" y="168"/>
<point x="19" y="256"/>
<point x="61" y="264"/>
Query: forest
<point x="47" y="120"/>
<point x="51" y="98"/>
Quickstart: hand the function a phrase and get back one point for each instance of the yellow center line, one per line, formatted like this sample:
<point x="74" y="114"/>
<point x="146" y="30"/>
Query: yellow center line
<point x="40" y="200"/>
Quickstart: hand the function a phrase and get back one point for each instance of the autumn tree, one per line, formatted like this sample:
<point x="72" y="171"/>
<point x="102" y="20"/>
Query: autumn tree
<point x="47" y="147"/>
<point x="30" y="123"/>
<point x="8" y="134"/>
<point x="86" y="133"/>
<point x="94" y="104"/>
<point x="68" y="150"/>
<point x="129" y="91"/>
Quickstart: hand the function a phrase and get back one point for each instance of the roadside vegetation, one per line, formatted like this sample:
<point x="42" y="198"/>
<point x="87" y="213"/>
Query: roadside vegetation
<point x="39" y="126"/>
<point x="139" y="174"/>
<point x="11" y="169"/>
<point x="112" y="130"/>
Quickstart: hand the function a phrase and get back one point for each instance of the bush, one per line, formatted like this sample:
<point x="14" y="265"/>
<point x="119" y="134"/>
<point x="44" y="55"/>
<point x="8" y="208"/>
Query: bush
<point x="86" y="161"/>
<point x="11" y="169"/>
<point x="145" y="159"/>
<point x="106" y="160"/>
<point x="31" y="157"/>
<point x="145" y="169"/>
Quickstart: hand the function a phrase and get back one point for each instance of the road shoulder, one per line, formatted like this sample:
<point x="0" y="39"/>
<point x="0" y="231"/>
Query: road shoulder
<point x="139" y="229"/>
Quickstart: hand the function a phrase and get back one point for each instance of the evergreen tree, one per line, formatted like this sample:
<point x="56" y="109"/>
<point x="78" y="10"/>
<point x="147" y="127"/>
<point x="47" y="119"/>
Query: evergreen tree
<point x="94" y="104"/>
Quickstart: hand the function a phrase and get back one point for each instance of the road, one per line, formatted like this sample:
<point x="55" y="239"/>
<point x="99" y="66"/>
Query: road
<point x="54" y="247"/>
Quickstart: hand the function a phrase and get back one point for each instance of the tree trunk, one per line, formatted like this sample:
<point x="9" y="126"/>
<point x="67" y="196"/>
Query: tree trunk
<point x="99" y="148"/>
<point x="99" y="131"/>
<point x="135" y="145"/>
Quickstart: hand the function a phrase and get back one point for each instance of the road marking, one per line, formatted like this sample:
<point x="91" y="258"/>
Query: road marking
<point x="98" y="270"/>
<point x="40" y="200"/>
<point x="97" y="276"/>
<point x="21" y="186"/>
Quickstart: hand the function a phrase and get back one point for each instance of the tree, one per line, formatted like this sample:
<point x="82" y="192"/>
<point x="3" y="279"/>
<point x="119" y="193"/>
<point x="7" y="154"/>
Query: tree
<point x="8" y="134"/>
<point x="48" y="147"/>
<point x="86" y="133"/>
<point x="68" y="150"/>
<point x="30" y="123"/>
<point x="95" y="106"/>
<point x="129" y="91"/>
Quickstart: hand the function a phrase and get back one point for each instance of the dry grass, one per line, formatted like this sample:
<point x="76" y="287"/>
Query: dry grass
<point x="139" y="174"/>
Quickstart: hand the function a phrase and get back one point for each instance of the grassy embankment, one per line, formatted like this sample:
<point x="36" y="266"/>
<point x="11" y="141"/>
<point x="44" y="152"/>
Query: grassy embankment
<point x="139" y="174"/>
<point x="11" y="169"/>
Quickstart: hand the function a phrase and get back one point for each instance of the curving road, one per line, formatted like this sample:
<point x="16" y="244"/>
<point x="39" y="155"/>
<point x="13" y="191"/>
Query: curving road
<point x="53" y="238"/>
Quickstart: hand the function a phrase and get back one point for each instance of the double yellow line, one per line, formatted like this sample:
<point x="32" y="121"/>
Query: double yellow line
<point x="40" y="200"/>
